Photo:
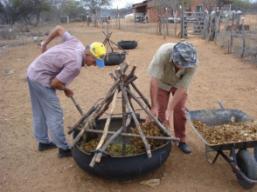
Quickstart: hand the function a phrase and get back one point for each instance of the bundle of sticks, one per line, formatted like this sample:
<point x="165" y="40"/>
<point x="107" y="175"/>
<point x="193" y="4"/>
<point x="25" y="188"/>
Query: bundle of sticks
<point x="123" y="85"/>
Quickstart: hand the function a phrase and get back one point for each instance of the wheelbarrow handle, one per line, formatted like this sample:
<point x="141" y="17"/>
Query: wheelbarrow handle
<point x="76" y="105"/>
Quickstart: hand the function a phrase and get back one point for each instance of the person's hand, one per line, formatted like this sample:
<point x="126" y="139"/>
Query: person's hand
<point x="169" y="118"/>
<point x="43" y="47"/>
<point x="167" y="115"/>
<point x="155" y="112"/>
<point x="68" y="92"/>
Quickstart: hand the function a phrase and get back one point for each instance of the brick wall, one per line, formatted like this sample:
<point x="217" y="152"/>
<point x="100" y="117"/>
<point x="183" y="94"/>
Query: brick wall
<point x="152" y="14"/>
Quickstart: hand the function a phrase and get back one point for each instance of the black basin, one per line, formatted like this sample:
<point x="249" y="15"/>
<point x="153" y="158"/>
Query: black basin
<point x="127" y="44"/>
<point x="114" y="58"/>
<point x="123" y="167"/>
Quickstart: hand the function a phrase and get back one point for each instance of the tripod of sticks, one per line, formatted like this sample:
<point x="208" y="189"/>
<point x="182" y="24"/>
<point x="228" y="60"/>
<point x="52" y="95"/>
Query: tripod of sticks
<point x="109" y="43"/>
<point x="123" y="84"/>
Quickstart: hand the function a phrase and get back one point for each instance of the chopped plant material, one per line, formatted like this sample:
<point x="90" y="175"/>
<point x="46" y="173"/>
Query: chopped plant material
<point x="227" y="133"/>
<point x="149" y="129"/>
<point x="134" y="146"/>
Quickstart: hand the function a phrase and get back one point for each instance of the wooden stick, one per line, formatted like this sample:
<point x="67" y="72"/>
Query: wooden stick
<point x="148" y="112"/>
<point x="147" y="146"/>
<point x="123" y="68"/>
<point x="108" y="120"/>
<point x="131" y="104"/>
<point x="141" y="95"/>
<point x="124" y="121"/>
<point x="90" y="111"/>
<point x="113" y="76"/>
<point x="97" y="156"/>
<point x="117" y="133"/>
<point x="130" y="80"/>
<point x="82" y="131"/>
<point x="131" y="135"/>
<point x="95" y="107"/>
<point x="76" y="105"/>
<point x="132" y="72"/>
<point x="99" y="110"/>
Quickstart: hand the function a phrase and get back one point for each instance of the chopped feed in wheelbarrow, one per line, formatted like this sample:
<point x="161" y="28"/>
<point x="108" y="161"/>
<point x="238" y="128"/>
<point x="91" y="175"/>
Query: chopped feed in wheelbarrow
<point x="135" y="144"/>
<point x="228" y="133"/>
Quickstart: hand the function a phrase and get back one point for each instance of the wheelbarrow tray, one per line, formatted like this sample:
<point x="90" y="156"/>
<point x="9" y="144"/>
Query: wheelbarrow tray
<point x="241" y="161"/>
<point x="220" y="117"/>
<point x="226" y="146"/>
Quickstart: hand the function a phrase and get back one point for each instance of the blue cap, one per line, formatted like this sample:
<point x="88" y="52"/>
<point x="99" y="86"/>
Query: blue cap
<point x="100" y="63"/>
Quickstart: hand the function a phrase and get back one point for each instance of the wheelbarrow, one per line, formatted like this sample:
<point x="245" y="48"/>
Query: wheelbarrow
<point x="242" y="162"/>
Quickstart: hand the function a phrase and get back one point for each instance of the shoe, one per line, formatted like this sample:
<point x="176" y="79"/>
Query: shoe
<point x="184" y="148"/>
<point x="46" y="146"/>
<point x="64" y="153"/>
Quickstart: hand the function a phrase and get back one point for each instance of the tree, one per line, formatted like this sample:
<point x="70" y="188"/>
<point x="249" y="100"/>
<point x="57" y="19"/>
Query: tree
<point x="241" y="4"/>
<point x="72" y="8"/>
<point x="23" y="10"/>
<point x="94" y="6"/>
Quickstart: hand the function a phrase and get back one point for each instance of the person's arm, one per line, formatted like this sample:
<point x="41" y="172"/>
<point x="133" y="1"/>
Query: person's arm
<point x="173" y="101"/>
<point x="154" y="96"/>
<point x="58" y="31"/>
<point x="56" y="84"/>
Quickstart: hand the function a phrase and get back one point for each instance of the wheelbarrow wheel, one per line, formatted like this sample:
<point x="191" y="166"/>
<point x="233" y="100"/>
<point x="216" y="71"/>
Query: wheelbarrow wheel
<point x="247" y="165"/>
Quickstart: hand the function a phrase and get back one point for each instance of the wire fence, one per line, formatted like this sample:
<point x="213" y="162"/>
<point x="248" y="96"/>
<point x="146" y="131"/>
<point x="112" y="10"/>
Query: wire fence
<point x="159" y="28"/>
<point x="237" y="35"/>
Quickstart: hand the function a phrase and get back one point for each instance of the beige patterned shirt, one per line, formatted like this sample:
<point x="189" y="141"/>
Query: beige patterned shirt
<point x="163" y="69"/>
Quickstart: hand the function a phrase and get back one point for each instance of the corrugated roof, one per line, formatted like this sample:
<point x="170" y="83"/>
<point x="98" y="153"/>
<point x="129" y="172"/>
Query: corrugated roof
<point x="136" y="5"/>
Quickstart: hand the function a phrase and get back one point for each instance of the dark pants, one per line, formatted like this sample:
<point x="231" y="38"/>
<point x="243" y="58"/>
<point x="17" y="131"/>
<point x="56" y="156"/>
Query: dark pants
<point x="179" y="112"/>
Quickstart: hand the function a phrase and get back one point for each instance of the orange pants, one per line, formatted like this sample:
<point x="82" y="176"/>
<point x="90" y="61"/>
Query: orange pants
<point x="179" y="112"/>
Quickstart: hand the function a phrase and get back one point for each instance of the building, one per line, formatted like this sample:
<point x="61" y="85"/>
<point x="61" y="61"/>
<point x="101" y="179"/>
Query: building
<point x="153" y="9"/>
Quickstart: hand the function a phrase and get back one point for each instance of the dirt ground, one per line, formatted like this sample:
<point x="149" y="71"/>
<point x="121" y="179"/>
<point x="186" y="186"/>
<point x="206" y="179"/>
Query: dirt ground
<point x="23" y="168"/>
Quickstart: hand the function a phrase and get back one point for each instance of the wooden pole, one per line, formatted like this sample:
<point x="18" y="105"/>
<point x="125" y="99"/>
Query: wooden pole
<point x="182" y="28"/>
<point x="147" y="145"/>
<point x="124" y="116"/>
<point x="243" y="41"/>
<point x="141" y="95"/>
<point x="97" y="156"/>
<point x="97" y="106"/>
<point x="107" y="123"/>
<point x="95" y="114"/>
<point x="148" y="112"/>
<point x="130" y="135"/>
<point x="77" y="105"/>
<point x="84" y="117"/>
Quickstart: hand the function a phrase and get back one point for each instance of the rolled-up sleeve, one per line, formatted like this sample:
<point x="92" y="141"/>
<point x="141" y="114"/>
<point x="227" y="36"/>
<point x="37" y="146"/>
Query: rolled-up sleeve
<point x="68" y="73"/>
<point x="67" y="36"/>
<point x="185" y="81"/>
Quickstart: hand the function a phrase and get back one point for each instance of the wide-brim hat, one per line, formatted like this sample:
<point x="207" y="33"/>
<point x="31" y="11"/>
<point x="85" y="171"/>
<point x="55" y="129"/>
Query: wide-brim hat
<point x="184" y="55"/>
